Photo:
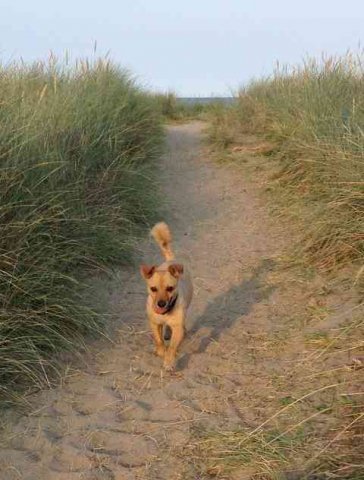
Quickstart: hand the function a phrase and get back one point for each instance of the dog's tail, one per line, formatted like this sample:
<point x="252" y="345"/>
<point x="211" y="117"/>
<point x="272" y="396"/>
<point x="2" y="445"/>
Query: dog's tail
<point x="162" y="235"/>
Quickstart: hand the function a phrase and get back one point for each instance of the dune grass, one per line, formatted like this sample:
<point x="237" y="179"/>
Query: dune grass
<point x="313" y="117"/>
<point x="300" y="134"/>
<point x="77" y="145"/>
<point x="174" y="109"/>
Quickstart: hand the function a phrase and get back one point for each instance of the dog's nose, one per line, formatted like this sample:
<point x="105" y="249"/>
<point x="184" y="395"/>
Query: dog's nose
<point x="161" y="303"/>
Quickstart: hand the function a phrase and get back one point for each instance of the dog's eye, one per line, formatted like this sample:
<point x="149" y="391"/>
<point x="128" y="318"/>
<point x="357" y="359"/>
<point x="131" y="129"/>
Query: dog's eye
<point x="154" y="289"/>
<point x="170" y="289"/>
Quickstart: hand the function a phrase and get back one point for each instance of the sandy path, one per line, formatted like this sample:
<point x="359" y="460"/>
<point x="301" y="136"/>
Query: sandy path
<point x="122" y="417"/>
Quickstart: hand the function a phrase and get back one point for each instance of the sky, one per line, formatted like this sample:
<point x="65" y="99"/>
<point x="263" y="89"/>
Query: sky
<point x="193" y="47"/>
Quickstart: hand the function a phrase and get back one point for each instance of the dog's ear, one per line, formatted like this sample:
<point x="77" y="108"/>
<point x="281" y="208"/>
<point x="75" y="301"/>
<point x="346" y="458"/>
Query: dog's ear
<point x="176" y="270"/>
<point x="147" y="270"/>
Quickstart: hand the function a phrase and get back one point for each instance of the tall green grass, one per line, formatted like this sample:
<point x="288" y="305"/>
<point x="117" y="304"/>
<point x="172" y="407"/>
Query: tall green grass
<point x="77" y="146"/>
<point x="314" y="116"/>
<point x="309" y="122"/>
<point x="174" y="109"/>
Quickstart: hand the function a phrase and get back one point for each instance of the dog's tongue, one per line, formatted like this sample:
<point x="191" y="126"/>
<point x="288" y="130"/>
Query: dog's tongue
<point x="160" y="310"/>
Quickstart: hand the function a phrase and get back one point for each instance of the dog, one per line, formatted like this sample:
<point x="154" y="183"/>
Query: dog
<point x="170" y="293"/>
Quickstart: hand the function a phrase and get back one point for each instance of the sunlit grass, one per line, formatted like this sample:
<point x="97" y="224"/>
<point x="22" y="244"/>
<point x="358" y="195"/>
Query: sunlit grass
<point x="314" y="117"/>
<point x="77" y="145"/>
<point x="301" y="131"/>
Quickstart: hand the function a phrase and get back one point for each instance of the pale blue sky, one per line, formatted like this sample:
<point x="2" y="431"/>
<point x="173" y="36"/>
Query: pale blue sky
<point x="194" y="47"/>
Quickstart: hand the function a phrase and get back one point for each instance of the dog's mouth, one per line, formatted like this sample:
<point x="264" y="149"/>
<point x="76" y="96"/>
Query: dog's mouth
<point x="167" y="308"/>
<point x="161" y="310"/>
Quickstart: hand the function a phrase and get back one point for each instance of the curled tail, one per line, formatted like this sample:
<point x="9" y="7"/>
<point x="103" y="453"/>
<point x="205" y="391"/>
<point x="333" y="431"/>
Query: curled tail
<point x="162" y="235"/>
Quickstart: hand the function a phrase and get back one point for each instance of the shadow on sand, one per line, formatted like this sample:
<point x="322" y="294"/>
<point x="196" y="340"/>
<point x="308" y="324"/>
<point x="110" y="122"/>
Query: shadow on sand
<point x="224" y="310"/>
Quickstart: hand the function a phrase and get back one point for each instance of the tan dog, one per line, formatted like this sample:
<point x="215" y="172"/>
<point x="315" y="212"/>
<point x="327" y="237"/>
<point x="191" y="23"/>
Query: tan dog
<point x="169" y="296"/>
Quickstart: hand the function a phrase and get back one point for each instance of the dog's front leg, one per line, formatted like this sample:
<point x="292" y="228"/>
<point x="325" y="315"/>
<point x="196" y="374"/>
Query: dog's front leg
<point x="171" y="351"/>
<point x="157" y="331"/>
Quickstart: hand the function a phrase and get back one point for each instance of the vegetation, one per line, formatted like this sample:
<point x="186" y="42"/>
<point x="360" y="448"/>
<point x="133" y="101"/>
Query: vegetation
<point x="76" y="154"/>
<point x="301" y="132"/>
<point x="313" y="422"/>
<point x="174" y="109"/>
<point x="313" y="118"/>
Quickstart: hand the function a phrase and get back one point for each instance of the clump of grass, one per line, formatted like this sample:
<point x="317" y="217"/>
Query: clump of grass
<point x="168" y="106"/>
<point x="262" y="454"/>
<point x="76" y="154"/>
<point x="180" y="109"/>
<point x="314" y="116"/>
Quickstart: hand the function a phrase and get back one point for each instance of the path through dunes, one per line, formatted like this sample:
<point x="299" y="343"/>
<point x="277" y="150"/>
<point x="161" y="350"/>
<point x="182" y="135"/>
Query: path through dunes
<point x="122" y="417"/>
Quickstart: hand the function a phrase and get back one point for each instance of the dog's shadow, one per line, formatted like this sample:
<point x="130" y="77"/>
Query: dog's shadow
<point x="224" y="310"/>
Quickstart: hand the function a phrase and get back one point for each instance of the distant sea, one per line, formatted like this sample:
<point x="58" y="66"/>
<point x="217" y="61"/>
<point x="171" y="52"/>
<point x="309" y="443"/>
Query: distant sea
<point x="206" y="100"/>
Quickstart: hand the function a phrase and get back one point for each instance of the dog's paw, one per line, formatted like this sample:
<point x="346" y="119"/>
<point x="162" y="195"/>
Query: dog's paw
<point x="159" y="351"/>
<point x="169" y="367"/>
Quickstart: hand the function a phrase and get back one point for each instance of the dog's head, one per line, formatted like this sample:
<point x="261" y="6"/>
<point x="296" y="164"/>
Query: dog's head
<point x="162" y="285"/>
